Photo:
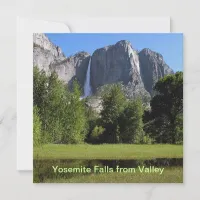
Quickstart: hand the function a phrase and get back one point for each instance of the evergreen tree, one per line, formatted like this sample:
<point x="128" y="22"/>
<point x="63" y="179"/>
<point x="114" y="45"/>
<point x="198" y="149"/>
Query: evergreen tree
<point x="131" y="124"/>
<point x="165" y="120"/>
<point x="113" y="102"/>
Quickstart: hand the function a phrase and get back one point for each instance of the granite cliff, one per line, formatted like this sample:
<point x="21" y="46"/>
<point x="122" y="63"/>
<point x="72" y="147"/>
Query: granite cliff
<point x="49" y="57"/>
<point x="136" y="71"/>
<point x="115" y="63"/>
<point x="152" y="67"/>
<point x="45" y="52"/>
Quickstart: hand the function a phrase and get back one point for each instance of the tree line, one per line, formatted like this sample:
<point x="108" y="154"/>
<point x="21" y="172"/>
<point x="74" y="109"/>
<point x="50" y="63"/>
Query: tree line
<point x="61" y="117"/>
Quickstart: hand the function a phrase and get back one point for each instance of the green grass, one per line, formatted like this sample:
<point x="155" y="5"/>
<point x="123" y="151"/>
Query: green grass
<point x="170" y="175"/>
<point x="108" y="151"/>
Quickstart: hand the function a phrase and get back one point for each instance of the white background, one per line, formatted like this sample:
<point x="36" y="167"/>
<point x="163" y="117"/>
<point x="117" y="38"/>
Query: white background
<point x="185" y="17"/>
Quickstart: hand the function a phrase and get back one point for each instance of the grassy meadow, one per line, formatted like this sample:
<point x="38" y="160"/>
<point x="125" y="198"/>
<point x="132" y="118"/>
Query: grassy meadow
<point x="125" y="155"/>
<point x="108" y="151"/>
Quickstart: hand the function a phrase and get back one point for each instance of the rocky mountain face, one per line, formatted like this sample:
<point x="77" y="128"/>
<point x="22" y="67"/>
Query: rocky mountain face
<point x="152" y="68"/>
<point x="49" y="57"/>
<point x="45" y="52"/>
<point x="115" y="63"/>
<point x="137" y="71"/>
<point x="118" y="63"/>
<point x="72" y="67"/>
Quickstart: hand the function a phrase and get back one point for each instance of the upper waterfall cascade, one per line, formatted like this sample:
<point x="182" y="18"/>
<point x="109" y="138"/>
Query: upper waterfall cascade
<point x="87" y="85"/>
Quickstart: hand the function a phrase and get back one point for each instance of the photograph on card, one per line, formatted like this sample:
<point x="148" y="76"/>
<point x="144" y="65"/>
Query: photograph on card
<point x="108" y="108"/>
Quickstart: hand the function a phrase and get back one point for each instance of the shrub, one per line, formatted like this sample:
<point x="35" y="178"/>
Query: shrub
<point x="36" y="127"/>
<point x="96" y="134"/>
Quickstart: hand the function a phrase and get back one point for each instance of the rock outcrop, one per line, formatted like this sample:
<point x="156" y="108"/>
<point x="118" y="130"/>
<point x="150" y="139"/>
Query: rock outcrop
<point x="115" y="63"/>
<point x="49" y="57"/>
<point x="152" y="68"/>
<point x="136" y="71"/>
<point x="118" y="63"/>
<point x="45" y="52"/>
<point x="72" y="67"/>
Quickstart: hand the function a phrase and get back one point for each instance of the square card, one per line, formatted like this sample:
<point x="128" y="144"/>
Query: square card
<point x="108" y="108"/>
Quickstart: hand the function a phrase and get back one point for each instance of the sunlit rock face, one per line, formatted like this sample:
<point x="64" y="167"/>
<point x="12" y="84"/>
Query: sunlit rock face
<point x="152" y="68"/>
<point x="45" y="52"/>
<point x="72" y="67"/>
<point x="119" y="63"/>
<point x="49" y="57"/>
<point x="115" y="63"/>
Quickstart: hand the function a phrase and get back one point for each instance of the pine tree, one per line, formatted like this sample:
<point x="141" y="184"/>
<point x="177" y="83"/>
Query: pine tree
<point x="131" y="124"/>
<point x="165" y="120"/>
<point x="113" y="104"/>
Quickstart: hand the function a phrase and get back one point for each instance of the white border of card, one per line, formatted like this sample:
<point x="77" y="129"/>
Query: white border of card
<point x="25" y="29"/>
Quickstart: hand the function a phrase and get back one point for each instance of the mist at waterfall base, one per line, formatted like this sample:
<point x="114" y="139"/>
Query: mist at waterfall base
<point x="87" y="86"/>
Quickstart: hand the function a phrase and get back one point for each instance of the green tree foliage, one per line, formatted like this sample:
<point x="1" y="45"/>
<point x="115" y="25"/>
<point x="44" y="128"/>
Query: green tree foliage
<point x="61" y="116"/>
<point x="37" y="140"/>
<point x="131" y="124"/>
<point x="165" y="120"/>
<point x="54" y="109"/>
<point x="75" y="121"/>
<point x="62" y="113"/>
<point x="113" y="102"/>
<point x="92" y="118"/>
<point x="96" y="134"/>
<point x="40" y="82"/>
<point x="40" y="92"/>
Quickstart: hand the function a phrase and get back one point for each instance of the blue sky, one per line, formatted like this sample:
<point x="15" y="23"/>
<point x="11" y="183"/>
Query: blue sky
<point x="170" y="45"/>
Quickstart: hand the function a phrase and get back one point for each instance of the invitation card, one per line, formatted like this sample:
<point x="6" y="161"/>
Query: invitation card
<point x="107" y="108"/>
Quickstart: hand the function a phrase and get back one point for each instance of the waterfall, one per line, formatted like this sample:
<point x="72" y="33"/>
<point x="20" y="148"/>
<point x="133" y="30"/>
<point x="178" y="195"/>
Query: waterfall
<point x="135" y="57"/>
<point x="87" y="86"/>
